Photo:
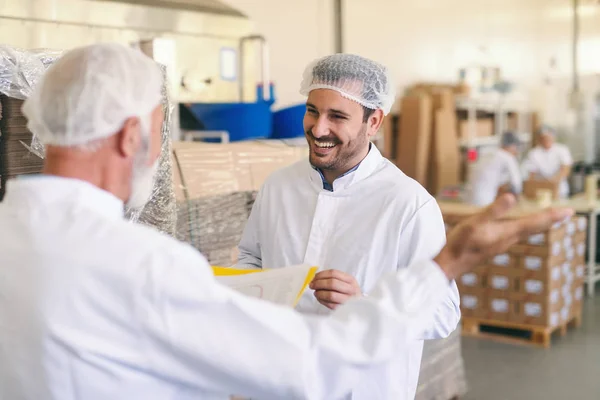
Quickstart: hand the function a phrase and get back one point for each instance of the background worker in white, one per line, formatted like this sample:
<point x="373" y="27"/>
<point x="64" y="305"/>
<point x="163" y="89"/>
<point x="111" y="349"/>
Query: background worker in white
<point x="349" y="211"/>
<point x="497" y="173"/>
<point x="95" y="307"/>
<point x="549" y="160"/>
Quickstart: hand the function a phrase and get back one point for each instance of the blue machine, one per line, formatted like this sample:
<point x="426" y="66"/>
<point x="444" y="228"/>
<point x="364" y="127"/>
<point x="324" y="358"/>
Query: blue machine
<point x="242" y="121"/>
<point x="287" y="122"/>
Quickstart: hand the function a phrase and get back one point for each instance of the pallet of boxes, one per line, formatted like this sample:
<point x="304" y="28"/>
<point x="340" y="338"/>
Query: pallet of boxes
<point x="530" y="292"/>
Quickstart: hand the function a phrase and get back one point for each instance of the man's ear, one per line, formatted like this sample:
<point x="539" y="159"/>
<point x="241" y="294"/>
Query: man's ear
<point x="374" y="122"/>
<point x="129" y="137"/>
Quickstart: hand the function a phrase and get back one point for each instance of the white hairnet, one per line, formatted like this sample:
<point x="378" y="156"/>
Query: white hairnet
<point x="357" y="78"/>
<point x="89" y="93"/>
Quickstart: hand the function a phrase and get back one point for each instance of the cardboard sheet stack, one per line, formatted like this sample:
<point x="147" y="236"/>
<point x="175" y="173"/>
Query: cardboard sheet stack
<point x="538" y="282"/>
<point x="16" y="158"/>
<point x="427" y="141"/>
<point x="20" y="71"/>
<point x="442" y="375"/>
<point x="215" y="188"/>
<point x="21" y="152"/>
<point x="161" y="210"/>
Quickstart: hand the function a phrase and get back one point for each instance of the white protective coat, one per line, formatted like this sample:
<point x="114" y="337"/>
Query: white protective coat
<point x="548" y="162"/>
<point x="493" y="171"/>
<point x="94" y="307"/>
<point x="376" y="221"/>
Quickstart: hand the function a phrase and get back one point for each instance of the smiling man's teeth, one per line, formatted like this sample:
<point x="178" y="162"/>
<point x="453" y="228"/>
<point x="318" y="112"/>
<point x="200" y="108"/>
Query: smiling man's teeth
<point x="325" y="144"/>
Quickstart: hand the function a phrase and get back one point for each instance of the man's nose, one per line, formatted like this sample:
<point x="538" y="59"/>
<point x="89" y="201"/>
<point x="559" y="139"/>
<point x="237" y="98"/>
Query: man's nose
<point x="321" y="128"/>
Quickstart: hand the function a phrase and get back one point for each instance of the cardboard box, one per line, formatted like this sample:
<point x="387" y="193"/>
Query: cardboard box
<point x="540" y="282"/>
<point x="504" y="260"/>
<point x="579" y="271"/>
<point x="499" y="308"/>
<point x="532" y="262"/>
<point x="483" y="128"/>
<point x="542" y="310"/>
<point x="390" y="137"/>
<point x="531" y="187"/>
<point x="443" y="99"/>
<point x="444" y="168"/>
<point x="501" y="279"/>
<point x="555" y="250"/>
<point x="580" y="237"/>
<point x="474" y="279"/>
<point x="580" y="250"/>
<point x="581" y="224"/>
<point x="414" y="141"/>
<point x="547" y="238"/>
<point x="473" y="302"/>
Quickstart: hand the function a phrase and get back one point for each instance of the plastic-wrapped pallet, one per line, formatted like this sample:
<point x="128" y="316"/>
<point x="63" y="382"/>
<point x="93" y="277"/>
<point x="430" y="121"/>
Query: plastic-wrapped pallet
<point x="442" y="375"/>
<point x="214" y="224"/>
<point x="20" y="71"/>
<point x="161" y="210"/>
<point x="22" y="153"/>
<point x="215" y="187"/>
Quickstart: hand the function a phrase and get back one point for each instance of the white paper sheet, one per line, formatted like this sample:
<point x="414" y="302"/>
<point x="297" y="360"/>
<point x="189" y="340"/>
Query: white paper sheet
<point x="281" y="286"/>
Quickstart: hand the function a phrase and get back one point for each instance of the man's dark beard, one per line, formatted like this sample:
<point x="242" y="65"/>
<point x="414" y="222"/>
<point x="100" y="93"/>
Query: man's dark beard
<point x="345" y="152"/>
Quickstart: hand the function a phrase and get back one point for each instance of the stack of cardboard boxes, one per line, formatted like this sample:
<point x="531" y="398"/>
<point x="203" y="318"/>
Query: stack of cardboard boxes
<point x="426" y="144"/>
<point x="538" y="282"/>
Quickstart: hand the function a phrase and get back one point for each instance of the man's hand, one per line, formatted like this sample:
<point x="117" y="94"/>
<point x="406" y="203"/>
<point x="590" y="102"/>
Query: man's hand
<point x="333" y="288"/>
<point x="485" y="235"/>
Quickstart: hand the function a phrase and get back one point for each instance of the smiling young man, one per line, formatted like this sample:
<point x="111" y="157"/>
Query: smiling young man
<point x="349" y="211"/>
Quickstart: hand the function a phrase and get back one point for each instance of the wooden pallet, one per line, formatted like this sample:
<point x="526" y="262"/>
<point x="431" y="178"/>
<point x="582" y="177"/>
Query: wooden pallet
<point x="540" y="336"/>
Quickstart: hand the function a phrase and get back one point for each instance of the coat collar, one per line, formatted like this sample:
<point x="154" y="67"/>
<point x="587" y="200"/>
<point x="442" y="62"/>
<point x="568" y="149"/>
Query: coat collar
<point x="367" y="166"/>
<point x="44" y="190"/>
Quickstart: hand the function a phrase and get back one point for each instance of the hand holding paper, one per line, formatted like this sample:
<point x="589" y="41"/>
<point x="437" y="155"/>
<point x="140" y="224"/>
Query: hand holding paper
<point x="281" y="286"/>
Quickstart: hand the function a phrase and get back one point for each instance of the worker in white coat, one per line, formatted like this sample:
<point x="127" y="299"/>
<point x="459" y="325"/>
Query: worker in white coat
<point x="497" y="173"/>
<point x="549" y="161"/>
<point x="349" y="211"/>
<point x="95" y="307"/>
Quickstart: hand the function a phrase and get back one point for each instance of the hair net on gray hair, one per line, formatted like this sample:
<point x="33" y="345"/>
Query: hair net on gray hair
<point x="509" y="139"/>
<point x="547" y="130"/>
<point x="356" y="78"/>
<point x="90" y="92"/>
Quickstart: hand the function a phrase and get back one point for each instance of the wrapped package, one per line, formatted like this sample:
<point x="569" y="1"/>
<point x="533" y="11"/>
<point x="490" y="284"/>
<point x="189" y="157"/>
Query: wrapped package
<point x="216" y="185"/>
<point x="161" y="210"/>
<point x="442" y="375"/>
<point x="20" y="71"/>
<point x="21" y="152"/>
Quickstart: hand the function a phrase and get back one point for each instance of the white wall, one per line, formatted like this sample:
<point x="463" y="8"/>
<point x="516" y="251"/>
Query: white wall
<point x="54" y="24"/>
<point x="432" y="39"/>
<point x="297" y="31"/>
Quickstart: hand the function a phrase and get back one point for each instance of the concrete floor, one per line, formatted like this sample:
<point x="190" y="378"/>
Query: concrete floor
<point x="570" y="369"/>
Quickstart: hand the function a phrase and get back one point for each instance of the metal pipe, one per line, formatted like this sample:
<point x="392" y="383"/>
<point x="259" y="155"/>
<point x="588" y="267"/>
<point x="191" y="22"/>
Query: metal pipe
<point x="574" y="54"/>
<point x="338" y="24"/>
<point x="118" y="28"/>
<point x="264" y="68"/>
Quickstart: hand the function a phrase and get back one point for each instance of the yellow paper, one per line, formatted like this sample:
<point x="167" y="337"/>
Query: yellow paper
<point x="281" y="285"/>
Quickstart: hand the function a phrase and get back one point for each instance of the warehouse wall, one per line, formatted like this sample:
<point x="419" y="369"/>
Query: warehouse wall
<point x="298" y="31"/>
<point x="60" y="24"/>
<point x="432" y="39"/>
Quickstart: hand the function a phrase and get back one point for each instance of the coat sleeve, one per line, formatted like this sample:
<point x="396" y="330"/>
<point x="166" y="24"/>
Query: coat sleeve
<point x="425" y="235"/>
<point x="249" y="248"/>
<point x="206" y="338"/>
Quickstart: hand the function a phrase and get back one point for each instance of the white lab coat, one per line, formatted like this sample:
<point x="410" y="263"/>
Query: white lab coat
<point x="493" y="171"/>
<point x="547" y="163"/>
<point x="376" y="221"/>
<point x="94" y="307"/>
